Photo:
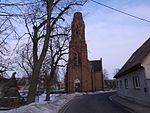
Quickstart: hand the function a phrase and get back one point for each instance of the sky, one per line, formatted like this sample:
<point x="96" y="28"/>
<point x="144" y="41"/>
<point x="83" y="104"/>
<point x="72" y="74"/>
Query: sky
<point x="113" y="35"/>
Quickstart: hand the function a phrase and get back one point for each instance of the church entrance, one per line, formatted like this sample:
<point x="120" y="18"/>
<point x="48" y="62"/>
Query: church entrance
<point x="77" y="86"/>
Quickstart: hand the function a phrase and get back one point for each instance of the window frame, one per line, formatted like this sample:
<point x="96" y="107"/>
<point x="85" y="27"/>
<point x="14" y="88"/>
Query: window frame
<point x="126" y="83"/>
<point x="117" y="84"/>
<point x="136" y="82"/>
<point x="120" y="84"/>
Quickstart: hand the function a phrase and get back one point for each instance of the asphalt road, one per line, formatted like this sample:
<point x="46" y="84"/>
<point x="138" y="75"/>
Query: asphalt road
<point x="95" y="103"/>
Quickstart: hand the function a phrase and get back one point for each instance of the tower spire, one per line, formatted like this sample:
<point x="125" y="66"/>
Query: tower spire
<point x="78" y="27"/>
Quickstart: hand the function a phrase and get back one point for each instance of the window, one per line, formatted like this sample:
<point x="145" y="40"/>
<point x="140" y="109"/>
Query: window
<point x="76" y="32"/>
<point x="117" y="84"/>
<point x="126" y="83"/>
<point x="136" y="82"/>
<point x="120" y="83"/>
<point x="77" y="59"/>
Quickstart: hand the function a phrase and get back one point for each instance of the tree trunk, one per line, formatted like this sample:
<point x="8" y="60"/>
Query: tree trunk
<point x="48" y="89"/>
<point x="38" y="62"/>
<point x="33" y="85"/>
<point x="49" y="83"/>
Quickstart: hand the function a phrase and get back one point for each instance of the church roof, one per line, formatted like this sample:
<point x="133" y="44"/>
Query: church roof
<point x="135" y="60"/>
<point x="97" y="65"/>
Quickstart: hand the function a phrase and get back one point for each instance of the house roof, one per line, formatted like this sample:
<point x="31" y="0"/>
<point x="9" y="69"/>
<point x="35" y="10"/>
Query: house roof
<point x="134" y="62"/>
<point x="97" y="65"/>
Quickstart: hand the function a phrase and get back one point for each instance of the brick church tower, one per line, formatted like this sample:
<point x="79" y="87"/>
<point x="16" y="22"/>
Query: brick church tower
<point x="82" y="75"/>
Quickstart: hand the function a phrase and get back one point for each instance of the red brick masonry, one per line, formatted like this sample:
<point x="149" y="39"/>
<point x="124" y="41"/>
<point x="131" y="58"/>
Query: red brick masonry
<point x="82" y="75"/>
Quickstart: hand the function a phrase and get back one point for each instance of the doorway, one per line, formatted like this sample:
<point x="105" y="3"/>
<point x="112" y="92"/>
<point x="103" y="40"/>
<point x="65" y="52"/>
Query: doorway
<point x="77" y="85"/>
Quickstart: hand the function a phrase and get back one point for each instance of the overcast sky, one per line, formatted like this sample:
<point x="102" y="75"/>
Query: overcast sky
<point x="113" y="35"/>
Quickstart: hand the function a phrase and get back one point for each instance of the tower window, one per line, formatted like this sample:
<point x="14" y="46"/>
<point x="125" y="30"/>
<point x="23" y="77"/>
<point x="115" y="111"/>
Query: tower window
<point x="77" y="59"/>
<point x="76" y="32"/>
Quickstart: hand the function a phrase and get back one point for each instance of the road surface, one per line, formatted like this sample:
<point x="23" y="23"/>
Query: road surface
<point x="94" y="103"/>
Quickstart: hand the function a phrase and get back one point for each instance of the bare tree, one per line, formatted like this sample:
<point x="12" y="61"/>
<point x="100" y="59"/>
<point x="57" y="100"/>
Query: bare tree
<point x="58" y="49"/>
<point x="55" y="58"/>
<point x="106" y="74"/>
<point x="10" y="14"/>
<point x="25" y="58"/>
<point x="116" y="70"/>
<point x="47" y="16"/>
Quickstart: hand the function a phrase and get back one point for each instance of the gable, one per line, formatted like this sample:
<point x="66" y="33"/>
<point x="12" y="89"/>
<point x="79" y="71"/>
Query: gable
<point x="146" y="60"/>
<point x="146" y="65"/>
<point x="97" y="65"/>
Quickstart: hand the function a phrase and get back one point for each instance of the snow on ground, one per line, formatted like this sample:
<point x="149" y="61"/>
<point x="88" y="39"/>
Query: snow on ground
<point x="53" y="106"/>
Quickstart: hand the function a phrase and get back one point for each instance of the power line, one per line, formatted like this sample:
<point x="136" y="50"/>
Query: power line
<point x="121" y="11"/>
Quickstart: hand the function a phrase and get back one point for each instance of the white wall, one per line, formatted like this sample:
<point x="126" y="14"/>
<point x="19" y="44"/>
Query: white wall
<point x="132" y="93"/>
<point x="146" y="65"/>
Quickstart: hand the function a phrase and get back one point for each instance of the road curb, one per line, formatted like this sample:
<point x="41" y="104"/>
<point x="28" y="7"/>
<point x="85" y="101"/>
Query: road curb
<point x="121" y="105"/>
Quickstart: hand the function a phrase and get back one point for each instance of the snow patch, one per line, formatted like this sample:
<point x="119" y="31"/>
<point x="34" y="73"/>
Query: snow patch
<point x="53" y="106"/>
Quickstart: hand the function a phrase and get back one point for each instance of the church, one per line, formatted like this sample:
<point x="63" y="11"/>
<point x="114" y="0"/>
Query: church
<point x="82" y="75"/>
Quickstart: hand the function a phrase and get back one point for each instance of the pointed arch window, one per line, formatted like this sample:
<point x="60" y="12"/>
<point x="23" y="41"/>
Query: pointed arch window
<point x="77" y="59"/>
